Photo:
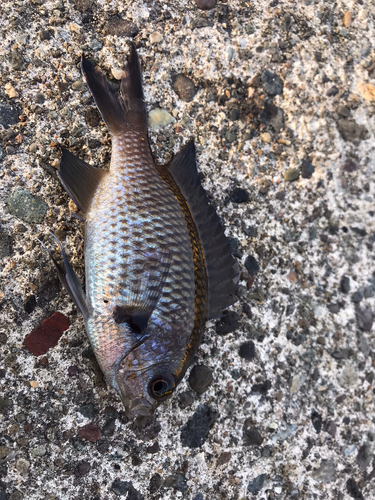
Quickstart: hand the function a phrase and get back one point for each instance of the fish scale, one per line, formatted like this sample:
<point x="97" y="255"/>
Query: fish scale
<point x="158" y="264"/>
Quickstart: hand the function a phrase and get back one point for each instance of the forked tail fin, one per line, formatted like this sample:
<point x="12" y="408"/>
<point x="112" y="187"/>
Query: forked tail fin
<point x="122" y="110"/>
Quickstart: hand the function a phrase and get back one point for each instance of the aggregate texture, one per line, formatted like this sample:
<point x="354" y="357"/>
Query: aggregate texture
<point x="279" y="96"/>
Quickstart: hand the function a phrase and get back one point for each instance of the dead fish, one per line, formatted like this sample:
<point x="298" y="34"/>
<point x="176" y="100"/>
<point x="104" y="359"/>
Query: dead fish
<point x="157" y="262"/>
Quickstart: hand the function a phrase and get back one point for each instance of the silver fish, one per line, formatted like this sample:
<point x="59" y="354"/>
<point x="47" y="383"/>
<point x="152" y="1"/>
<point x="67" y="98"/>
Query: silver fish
<point x="157" y="262"/>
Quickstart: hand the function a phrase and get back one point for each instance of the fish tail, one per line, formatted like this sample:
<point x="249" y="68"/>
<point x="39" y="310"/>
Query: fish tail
<point x="120" y="110"/>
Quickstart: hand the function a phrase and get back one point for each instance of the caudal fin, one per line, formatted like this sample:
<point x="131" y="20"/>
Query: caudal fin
<point x="120" y="110"/>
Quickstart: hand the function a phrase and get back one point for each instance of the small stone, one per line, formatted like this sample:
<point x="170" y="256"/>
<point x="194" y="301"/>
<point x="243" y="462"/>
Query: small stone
<point x="325" y="474"/>
<point x="364" y="456"/>
<point x="184" y="87"/>
<point x="90" y="432"/>
<point x="365" y="318"/>
<point x="297" y="382"/>
<point x="155" y="483"/>
<point x="6" y="244"/>
<point x="8" y="114"/>
<point x="154" y="448"/>
<point x="4" y="451"/>
<point x="353" y="490"/>
<point x="291" y="174"/>
<point x="272" y="115"/>
<point x="247" y="350"/>
<point x="16" y="495"/>
<point x="252" y="265"/>
<point x="156" y="37"/>
<point x="272" y="83"/>
<point x="251" y="435"/>
<point x="205" y="4"/>
<point x="228" y="323"/>
<point x="266" y="137"/>
<point x="224" y="458"/>
<point x="88" y="410"/>
<point x="159" y="118"/>
<point x="34" y="384"/>
<point x="345" y="285"/>
<point x="367" y="91"/>
<point x="332" y="92"/>
<point x="230" y="136"/>
<point x="357" y="296"/>
<point x="307" y="169"/>
<point x="10" y="91"/>
<point x="82" y="469"/>
<point x="347" y="19"/>
<point x="261" y="388"/>
<point x="47" y="334"/>
<point x="234" y="114"/>
<point x="194" y="433"/>
<point x="45" y="34"/>
<point x="316" y="420"/>
<point x="117" y="26"/>
<point x="351" y="131"/>
<point x="350" y="166"/>
<point x="39" y="451"/>
<point x="257" y="483"/>
<point x="331" y="428"/>
<point x="343" y="111"/>
<point x="83" y="5"/>
<point x="239" y="195"/>
<point x="22" y="466"/>
<point x="92" y="117"/>
<point x="186" y="399"/>
<point x="21" y="203"/>
<point x="78" y="85"/>
<point x="200" y="378"/>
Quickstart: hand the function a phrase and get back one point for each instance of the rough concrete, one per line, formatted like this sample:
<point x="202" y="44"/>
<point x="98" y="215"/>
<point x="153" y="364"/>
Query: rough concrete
<point x="279" y="96"/>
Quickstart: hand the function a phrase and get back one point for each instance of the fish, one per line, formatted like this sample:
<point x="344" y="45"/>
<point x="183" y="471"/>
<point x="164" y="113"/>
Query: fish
<point x="157" y="262"/>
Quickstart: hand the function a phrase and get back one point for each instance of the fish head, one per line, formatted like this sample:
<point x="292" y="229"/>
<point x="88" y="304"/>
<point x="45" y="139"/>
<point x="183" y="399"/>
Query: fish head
<point x="144" y="382"/>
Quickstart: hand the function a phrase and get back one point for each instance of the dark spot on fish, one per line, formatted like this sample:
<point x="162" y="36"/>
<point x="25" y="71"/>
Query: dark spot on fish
<point x="137" y="323"/>
<point x="105" y="301"/>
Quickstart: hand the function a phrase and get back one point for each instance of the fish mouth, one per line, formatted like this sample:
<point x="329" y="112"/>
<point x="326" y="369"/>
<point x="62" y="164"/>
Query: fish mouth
<point x="139" y="408"/>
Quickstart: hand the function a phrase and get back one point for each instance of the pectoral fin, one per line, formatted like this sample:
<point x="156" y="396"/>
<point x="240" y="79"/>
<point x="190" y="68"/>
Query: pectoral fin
<point x="70" y="280"/>
<point x="79" y="179"/>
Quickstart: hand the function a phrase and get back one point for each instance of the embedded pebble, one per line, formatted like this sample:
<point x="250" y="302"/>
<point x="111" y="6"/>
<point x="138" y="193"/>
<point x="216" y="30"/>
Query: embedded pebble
<point x="184" y="87"/>
<point x="21" y="203"/>
<point x="159" y="118"/>
<point x="272" y="83"/>
<point x="200" y="378"/>
<point x="367" y="91"/>
<point x="205" y="4"/>
<point x="156" y="37"/>
<point x="307" y="169"/>
<point x="292" y="174"/>
<point x="247" y="350"/>
<point x="47" y="334"/>
<point x="239" y="195"/>
<point x="257" y="483"/>
<point x="194" y="433"/>
<point x="91" y="432"/>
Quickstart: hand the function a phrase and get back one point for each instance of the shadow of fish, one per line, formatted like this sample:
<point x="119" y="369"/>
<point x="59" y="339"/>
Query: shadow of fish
<point x="157" y="262"/>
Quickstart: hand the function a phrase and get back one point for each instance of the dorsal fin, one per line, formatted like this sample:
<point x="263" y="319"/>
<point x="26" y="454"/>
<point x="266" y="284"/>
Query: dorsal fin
<point x="222" y="268"/>
<point x="118" y="109"/>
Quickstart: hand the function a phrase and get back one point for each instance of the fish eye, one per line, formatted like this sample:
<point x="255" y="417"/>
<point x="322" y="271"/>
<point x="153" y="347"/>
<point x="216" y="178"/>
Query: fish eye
<point x="162" y="385"/>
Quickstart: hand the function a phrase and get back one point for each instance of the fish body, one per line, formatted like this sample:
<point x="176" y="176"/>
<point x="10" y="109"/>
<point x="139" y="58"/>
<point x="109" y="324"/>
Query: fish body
<point x="157" y="262"/>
